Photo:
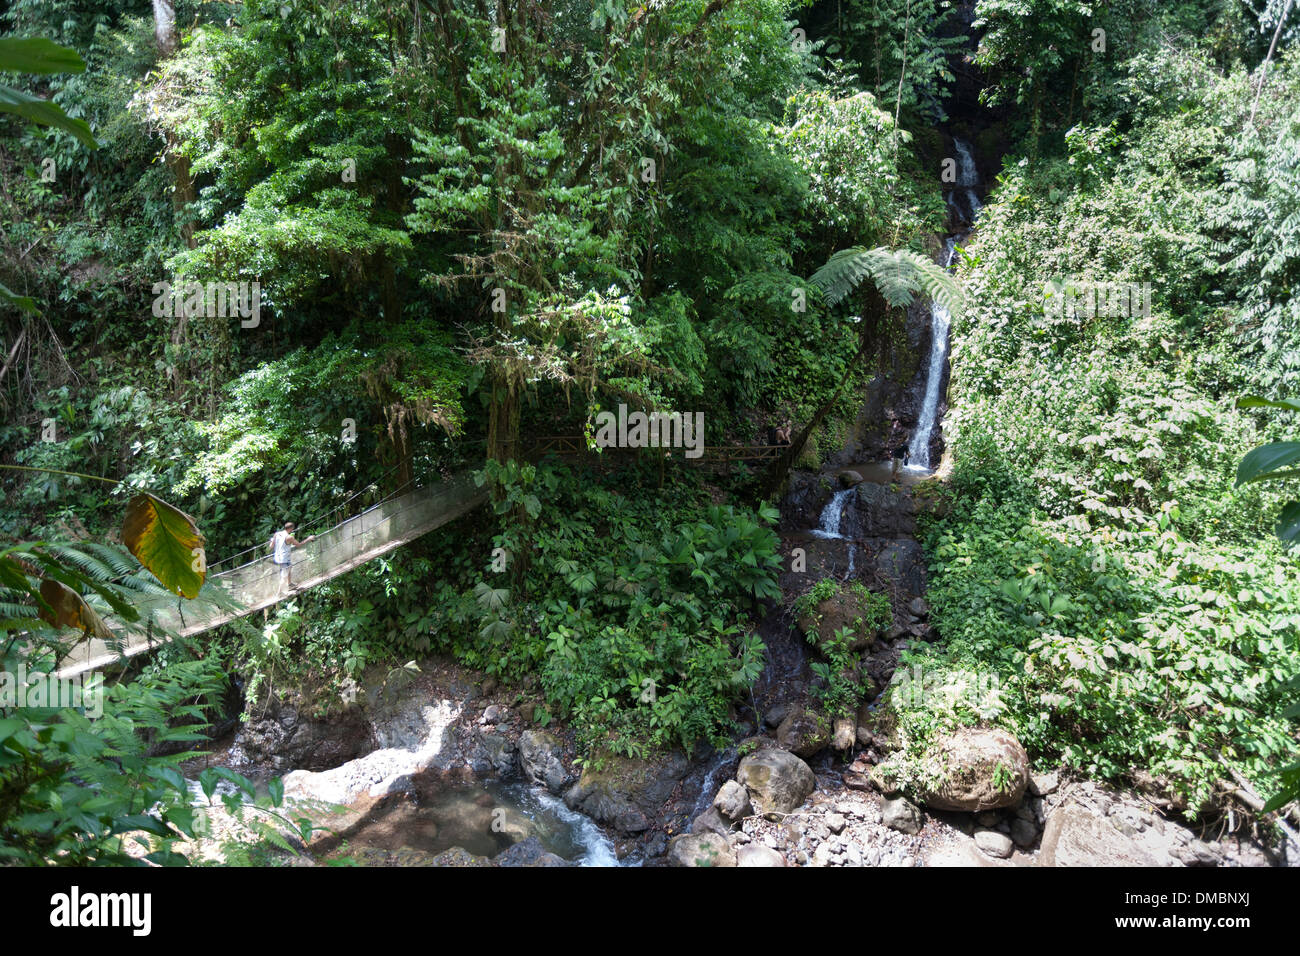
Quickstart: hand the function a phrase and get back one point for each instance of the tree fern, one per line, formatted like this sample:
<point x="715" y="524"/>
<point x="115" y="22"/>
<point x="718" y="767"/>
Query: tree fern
<point x="899" y="275"/>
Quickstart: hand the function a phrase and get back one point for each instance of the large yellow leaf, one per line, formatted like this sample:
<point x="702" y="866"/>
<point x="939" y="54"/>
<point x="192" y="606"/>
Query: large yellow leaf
<point x="167" y="542"/>
<point x="71" y="611"/>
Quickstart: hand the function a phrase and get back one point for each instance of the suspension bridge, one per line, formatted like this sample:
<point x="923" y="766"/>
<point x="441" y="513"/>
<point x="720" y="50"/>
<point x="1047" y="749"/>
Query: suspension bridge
<point x="249" y="581"/>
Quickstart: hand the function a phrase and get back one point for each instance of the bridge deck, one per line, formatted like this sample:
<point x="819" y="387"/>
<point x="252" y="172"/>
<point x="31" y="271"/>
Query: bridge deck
<point x="388" y="525"/>
<point x="257" y="585"/>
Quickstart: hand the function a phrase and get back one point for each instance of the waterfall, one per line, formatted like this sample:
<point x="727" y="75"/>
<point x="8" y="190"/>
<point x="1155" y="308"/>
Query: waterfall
<point x="829" y="527"/>
<point x="918" y="450"/>
<point x="968" y="176"/>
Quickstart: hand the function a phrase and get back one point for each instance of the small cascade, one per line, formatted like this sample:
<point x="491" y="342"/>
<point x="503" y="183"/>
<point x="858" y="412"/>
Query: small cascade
<point x="829" y="526"/>
<point x="597" y="848"/>
<point x="709" y="788"/>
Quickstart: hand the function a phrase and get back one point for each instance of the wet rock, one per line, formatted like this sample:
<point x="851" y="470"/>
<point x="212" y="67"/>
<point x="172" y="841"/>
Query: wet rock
<point x="979" y="769"/>
<point x="414" y="737"/>
<point x="850" y="478"/>
<point x="755" y="854"/>
<point x="493" y="713"/>
<point x="777" y="781"/>
<point x="902" y="562"/>
<point x="902" y="815"/>
<point x="623" y="787"/>
<point x="918" y="607"/>
<point x="776" y="713"/>
<point x="995" y="844"/>
<point x="803" y="732"/>
<point x="881" y="511"/>
<point x="529" y="852"/>
<point x="283" y="738"/>
<point x="802" y="505"/>
<point x="493" y="753"/>
<point x="732" y="802"/>
<point x="540" y="757"/>
<point x="700" y="849"/>
<point x="632" y="821"/>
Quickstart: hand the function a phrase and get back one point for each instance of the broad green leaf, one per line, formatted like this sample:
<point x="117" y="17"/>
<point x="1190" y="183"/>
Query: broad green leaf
<point x="166" y="541"/>
<point x="1254" y="401"/>
<point x="24" y="303"/>
<point x="1288" y="523"/>
<point x="1266" y="461"/>
<point x="44" y="113"/>
<point x="38" y="55"/>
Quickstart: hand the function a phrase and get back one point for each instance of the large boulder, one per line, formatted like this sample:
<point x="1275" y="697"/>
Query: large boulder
<point x="977" y="769"/>
<point x="846" y="608"/>
<point x="756" y="854"/>
<point x="803" y="732"/>
<point x="777" y="781"/>
<point x="626" y="793"/>
<point x="540" y="757"/>
<point x="732" y="802"/>
<point x="1078" y="835"/>
<point x="701" y="849"/>
<point x="902" y="815"/>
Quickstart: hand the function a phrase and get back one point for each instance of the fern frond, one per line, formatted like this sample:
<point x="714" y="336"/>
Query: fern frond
<point x="898" y="274"/>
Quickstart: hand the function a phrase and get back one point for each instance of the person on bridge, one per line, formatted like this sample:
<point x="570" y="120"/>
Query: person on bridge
<point x="282" y="544"/>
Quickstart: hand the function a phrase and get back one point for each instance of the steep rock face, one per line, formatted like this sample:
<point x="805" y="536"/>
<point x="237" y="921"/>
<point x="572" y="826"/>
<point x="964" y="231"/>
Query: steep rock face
<point x="283" y="737"/>
<point x="893" y="394"/>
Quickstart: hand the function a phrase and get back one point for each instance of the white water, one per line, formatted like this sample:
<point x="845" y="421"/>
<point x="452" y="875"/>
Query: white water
<point x="829" y="527"/>
<point x="598" y="850"/>
<point x="918" y="450"/>
<point x="709" y="788"/>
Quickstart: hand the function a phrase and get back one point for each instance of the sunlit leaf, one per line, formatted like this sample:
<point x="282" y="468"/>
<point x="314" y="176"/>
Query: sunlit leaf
<point x="166" y="541"/>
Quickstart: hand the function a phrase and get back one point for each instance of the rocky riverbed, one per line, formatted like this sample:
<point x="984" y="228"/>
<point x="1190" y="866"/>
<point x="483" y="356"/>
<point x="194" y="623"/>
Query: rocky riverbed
<point x="419" y="758"/>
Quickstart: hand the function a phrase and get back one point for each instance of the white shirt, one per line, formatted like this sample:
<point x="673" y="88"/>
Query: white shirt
<point x="280" y="546"/>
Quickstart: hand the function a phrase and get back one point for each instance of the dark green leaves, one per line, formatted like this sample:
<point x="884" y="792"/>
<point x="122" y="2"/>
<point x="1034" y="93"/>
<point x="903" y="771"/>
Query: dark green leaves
<point x="1269" y="461"/>
<point x="39" y="55"/>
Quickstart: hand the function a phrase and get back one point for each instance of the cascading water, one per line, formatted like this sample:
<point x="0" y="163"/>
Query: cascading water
<point x="829" y="527"/>
<point x="918" y="450"/>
